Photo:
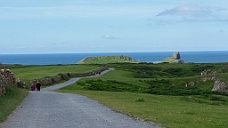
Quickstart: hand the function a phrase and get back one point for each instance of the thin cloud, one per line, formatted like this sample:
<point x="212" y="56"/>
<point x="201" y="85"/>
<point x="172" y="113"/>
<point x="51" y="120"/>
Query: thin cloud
<point x="190" y="13"/>
<point x="109" y="37"/>
<point x="190" y="10"/>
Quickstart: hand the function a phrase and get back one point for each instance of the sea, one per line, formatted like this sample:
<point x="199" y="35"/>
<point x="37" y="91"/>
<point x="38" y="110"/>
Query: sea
<point x="149" y="57"/>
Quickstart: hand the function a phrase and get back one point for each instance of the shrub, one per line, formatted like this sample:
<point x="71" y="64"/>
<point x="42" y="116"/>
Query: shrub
<point x="109" y="85"/>
<point x="168" y="87"/>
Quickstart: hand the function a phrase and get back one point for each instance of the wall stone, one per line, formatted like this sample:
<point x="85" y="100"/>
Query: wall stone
<point x="7" y="78"/>
<point x="2" y="85"/>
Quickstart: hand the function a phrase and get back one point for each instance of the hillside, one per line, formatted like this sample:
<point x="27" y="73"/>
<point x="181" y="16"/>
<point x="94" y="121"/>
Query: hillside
<point x="173" y="95"/>
<point x="106" y="60"/>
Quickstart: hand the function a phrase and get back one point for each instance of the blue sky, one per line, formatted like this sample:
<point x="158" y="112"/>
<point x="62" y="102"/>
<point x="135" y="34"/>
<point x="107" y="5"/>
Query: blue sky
<point x="80" y="26"/>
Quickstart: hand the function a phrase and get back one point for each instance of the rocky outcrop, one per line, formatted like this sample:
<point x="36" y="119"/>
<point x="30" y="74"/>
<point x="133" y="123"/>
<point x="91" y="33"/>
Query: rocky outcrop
<point x="7" y="78"/>
<point x="176" y="55"/>
<point x="209" y="71"/>
<point x="220" y="86"/>
<point x="176" y="58"/>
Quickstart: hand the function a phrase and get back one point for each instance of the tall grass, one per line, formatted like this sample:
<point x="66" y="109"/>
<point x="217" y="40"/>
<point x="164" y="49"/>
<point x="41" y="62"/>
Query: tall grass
<point x="11" y="100"/>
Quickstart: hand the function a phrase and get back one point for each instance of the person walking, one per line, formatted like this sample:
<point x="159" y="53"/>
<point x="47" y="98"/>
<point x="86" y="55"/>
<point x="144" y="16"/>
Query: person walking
<point x="38" y="86"/>
<point x="33" y="87"/>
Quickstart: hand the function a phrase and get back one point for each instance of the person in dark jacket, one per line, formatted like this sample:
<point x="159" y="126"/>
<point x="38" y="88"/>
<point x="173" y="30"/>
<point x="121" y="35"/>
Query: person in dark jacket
<point x="38" y="86"/>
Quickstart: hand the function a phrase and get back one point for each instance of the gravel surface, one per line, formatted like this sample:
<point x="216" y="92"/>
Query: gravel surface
<point x="48" y="109"/>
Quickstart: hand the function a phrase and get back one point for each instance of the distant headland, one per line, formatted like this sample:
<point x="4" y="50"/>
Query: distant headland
<point x="107" y="59"/>
<point x="125" y="59"/>
<point x="176" y="58"/>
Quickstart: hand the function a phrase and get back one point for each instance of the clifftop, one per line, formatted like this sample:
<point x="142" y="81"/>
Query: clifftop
<point x="107" y="59"/>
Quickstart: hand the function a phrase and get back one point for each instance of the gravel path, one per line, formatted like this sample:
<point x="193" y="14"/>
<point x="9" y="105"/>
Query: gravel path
<point x="48" y="109"/>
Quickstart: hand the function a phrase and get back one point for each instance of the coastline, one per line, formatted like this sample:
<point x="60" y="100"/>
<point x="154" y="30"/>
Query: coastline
<point x="72" y="58"/>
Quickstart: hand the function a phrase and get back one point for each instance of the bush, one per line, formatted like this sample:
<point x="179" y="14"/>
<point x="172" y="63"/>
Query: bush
<point x="109" y="85"/>
<point x="167" y="87"/>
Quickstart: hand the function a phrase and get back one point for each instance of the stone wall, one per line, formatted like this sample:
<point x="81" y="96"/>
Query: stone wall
<point x="66" y="76"/>
<point x="7" y="78"/>
<point x="2" y="85"/>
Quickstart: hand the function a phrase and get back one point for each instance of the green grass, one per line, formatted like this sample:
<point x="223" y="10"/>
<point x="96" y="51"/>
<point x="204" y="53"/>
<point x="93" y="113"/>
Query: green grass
<point x="28" y="73"/>
<point x="204" y="110"/>
<point x="168" y="111"/>
<point x="121" y="76"/>
<point x="119" y="80"/>
<point x="10" y="101"/>
<point x="146" y="70"/>
<point x="194" y="107"/>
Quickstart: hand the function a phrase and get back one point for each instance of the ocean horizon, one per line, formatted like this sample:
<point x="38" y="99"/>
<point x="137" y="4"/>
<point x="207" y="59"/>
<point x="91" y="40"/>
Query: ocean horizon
<point x="73" y="58"/>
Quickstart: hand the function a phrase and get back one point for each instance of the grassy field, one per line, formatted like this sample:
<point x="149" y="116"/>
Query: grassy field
<point x="27" y="73"/>
<point x="10" y="101"/>
<point x="168" y="111"/>
<point x="133" y="89"/>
